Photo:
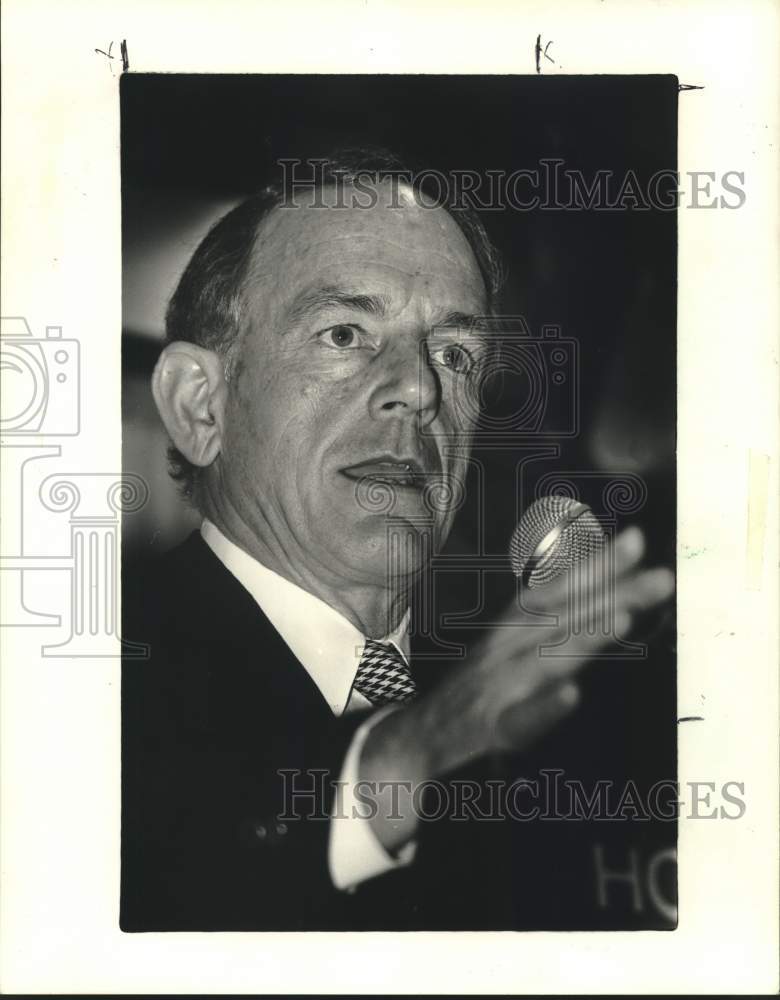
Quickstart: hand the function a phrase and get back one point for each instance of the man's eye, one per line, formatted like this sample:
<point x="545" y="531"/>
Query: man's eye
<point x="340" y="336"/>
<point x="454" y="357"/>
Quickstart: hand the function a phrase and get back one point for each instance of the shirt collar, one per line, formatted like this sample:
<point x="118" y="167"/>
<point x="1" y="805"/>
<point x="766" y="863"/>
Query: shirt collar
<point x="328" y="646"/>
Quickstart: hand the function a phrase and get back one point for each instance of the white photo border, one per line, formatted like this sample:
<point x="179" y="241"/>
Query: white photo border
<point x="62" y="267"/>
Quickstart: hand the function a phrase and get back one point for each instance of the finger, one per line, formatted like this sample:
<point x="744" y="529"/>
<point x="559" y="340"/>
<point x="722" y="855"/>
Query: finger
<point x="524" y="722"/>
<point x="652" y="590"/>
<point x="592" y="606"/>
<point x="587" y="609"/>
<point x="565" y="652"/>
<point x="578" y="638"/>
<point x="646" y="590"/>
<point x="582" y="636"/>
<point x="612" y="561"/>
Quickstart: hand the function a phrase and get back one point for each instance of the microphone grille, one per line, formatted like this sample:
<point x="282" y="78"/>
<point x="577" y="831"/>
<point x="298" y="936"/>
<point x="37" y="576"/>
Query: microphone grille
<point x="552" y="535"/>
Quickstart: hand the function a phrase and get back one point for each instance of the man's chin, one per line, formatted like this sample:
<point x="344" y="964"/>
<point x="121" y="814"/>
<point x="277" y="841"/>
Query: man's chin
<point x="386" y="549"/>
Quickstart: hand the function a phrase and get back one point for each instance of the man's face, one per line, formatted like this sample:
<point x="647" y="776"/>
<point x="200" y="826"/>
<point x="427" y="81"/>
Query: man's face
<point x="350" y="382"/>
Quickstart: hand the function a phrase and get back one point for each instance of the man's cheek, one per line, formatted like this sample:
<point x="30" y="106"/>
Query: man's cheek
<point x="457" y="416"/>
<point x="315" y="361"/>
<point x="312" y="394"/>
<point x="324" y="399"/>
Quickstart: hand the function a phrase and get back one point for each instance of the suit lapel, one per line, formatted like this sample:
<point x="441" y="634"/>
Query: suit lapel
<point x="241" y="652"/>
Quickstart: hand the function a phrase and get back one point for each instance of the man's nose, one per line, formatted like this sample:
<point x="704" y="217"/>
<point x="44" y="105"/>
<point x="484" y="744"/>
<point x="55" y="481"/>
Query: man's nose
<point x="408" y="385"/>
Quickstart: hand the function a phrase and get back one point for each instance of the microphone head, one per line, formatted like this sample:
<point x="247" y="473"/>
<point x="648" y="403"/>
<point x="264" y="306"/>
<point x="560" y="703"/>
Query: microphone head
<point x="553" y="534"/>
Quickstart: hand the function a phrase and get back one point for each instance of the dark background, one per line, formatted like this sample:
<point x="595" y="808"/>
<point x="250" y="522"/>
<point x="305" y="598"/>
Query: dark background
<point x="192" y="146"/>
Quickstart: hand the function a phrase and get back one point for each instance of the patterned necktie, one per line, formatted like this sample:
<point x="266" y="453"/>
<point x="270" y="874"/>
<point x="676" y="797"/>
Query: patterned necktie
<point x="383" y="675"/>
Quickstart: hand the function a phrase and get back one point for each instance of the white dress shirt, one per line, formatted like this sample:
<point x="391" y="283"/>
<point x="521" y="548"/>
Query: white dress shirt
<point x="330" y="648"/>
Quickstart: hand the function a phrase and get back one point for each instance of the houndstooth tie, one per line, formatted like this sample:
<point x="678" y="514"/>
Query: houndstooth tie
<point x="383" y="675"/>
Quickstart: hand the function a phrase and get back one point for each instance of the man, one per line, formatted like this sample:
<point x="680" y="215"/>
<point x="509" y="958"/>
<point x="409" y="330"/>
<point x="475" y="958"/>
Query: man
<point x="318" y="352"/>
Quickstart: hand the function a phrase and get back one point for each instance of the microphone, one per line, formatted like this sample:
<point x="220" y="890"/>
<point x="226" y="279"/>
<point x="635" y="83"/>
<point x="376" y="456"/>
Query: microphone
<point x="552" y="535"/>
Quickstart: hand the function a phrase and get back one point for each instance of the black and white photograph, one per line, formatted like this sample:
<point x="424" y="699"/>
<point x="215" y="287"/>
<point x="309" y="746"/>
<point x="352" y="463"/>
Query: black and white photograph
<point x="389" y="449"/>
<point x="399" y="619"/>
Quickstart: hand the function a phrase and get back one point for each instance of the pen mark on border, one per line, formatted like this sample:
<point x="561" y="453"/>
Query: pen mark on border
<point x="539" y="52"/>
<point x="122" y="51"/>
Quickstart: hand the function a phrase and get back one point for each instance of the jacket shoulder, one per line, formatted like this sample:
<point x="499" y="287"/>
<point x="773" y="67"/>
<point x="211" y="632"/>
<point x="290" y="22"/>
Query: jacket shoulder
<point x="187" y="587"/>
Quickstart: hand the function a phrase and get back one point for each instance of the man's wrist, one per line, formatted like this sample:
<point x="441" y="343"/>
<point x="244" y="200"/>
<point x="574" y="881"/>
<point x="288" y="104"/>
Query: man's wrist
<point x="395" y="760"/>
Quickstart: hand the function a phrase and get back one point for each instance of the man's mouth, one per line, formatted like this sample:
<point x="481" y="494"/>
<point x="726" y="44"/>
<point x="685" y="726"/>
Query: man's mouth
<point x="385" y="469"/>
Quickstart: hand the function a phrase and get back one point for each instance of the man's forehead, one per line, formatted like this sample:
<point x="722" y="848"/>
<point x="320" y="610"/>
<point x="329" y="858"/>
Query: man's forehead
<point x="396" y="233"/>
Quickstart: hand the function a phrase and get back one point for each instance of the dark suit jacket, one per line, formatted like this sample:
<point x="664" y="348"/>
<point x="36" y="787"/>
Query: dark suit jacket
<point x="221" y="705"/>
<point x="209" y="719"/>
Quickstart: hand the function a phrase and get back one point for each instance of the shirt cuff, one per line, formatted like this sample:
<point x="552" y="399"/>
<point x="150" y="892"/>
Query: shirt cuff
<point x="354" y="851"/>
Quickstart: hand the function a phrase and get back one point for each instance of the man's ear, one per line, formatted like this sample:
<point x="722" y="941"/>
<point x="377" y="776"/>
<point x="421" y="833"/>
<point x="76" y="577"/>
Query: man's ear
<point x="190" y="390"/>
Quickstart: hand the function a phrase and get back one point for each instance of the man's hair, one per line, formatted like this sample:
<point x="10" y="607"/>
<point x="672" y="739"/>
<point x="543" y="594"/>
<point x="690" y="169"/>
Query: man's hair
<point x="208" y="306"/>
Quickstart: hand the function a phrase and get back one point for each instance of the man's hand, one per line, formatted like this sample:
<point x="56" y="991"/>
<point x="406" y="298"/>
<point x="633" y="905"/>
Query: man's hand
<point x="506" y="695"/>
